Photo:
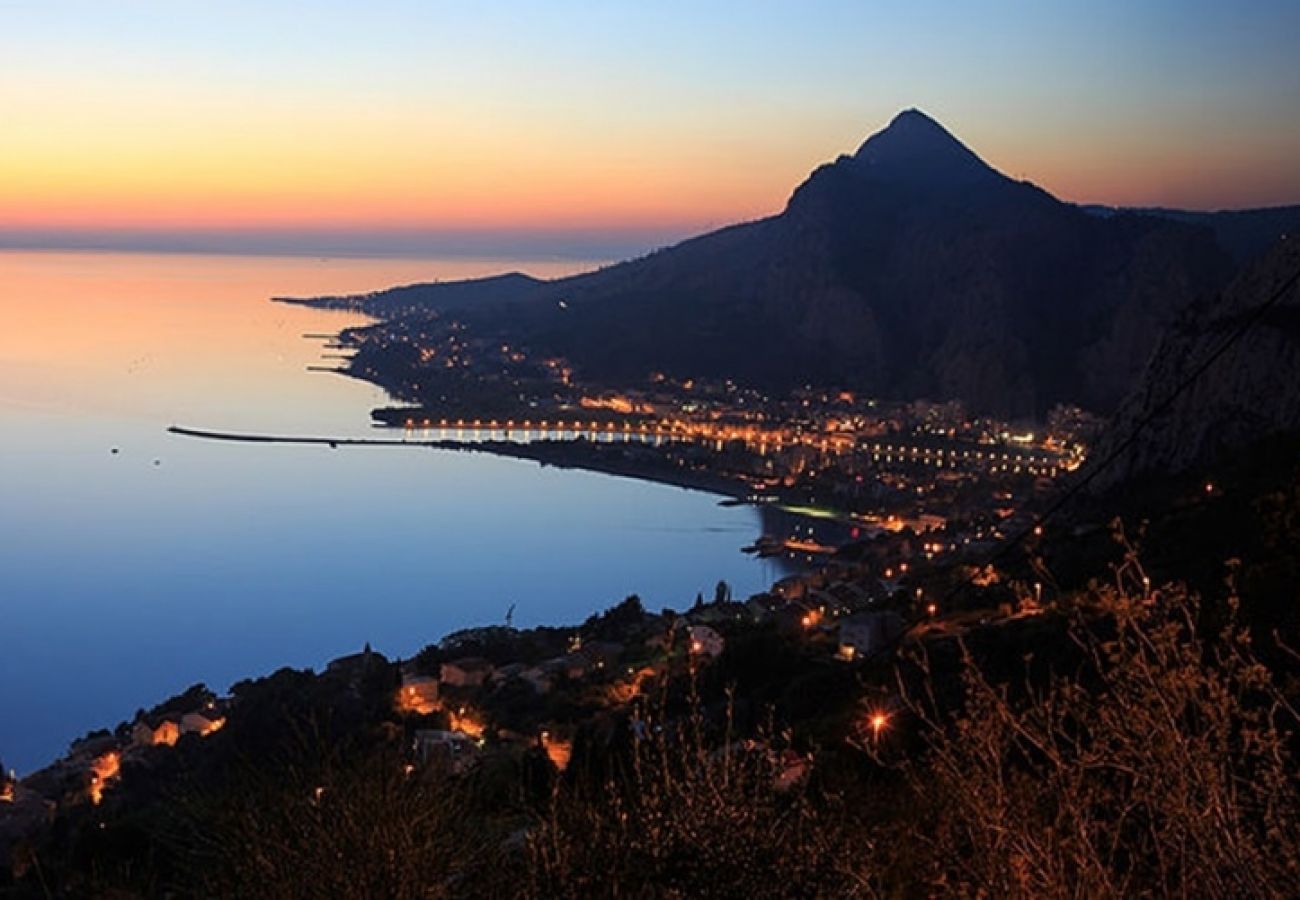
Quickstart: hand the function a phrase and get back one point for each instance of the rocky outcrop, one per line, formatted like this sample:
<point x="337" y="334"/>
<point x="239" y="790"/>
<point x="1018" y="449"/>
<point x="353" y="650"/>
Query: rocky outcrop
<point x="1248" y="394"/>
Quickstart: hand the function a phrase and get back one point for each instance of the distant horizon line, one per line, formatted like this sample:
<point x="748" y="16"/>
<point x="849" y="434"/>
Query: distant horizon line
<point x="579" y="245"/>
<point x="525" y="256"/>
<point x="584" y="244"/>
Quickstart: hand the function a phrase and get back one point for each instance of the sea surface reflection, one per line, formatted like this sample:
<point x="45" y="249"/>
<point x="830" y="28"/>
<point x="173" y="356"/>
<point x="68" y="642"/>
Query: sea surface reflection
<point x="134" y="563"/>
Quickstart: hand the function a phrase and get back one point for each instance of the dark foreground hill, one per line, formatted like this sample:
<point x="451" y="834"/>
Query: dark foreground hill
<point x="1250" y="393"/>
<point x="908" y="269"/>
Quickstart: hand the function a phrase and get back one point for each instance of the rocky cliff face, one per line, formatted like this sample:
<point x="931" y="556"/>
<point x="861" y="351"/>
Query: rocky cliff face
<point x="989" y="289"/>
<point x="1250" y="393"/>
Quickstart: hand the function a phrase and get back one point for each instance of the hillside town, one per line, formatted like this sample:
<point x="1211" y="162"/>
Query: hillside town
<point x="829" y="466"/>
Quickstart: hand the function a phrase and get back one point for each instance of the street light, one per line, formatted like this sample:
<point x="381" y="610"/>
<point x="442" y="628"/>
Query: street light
<point x="878" y="721"/>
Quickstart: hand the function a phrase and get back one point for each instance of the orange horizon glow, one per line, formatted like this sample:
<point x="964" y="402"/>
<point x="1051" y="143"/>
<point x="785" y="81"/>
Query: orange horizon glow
<point x="203" y="168"/>
<point x="559" y="116"/>
<point x="469" y="191"/>
<point x="142" y="158"/>
<point x="461" y="208"/>
<point x="201" y="165"/>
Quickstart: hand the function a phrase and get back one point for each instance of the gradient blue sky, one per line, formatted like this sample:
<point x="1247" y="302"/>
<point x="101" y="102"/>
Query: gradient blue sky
<point x="653" y="118"/>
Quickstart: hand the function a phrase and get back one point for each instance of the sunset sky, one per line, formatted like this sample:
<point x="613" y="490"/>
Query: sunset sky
<point x="656" y="118"/>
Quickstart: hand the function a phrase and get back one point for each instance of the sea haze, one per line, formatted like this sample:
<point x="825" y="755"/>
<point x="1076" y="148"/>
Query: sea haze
<point x="126" y="576"/>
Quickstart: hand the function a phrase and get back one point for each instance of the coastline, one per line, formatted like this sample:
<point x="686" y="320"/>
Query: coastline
<point x="558" y="454"/>
<point x="561" y="455"/>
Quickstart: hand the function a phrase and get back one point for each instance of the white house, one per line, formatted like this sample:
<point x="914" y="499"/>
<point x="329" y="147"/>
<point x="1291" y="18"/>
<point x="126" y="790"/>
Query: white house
<point x="471" y="671"/>
<point x="705" y="642"/>
<point x="452" y="749"/>
<point x="418" y="694"/>
<point x="865" y="633"/>
<point x="166" y="732"/>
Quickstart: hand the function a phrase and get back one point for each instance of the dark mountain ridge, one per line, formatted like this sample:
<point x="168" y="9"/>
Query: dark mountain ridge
<point x="1244" y="233"/>
<point x="909" y="269"/>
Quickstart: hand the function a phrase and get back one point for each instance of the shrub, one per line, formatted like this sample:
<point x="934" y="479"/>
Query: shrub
<point x="1164" y="768"/>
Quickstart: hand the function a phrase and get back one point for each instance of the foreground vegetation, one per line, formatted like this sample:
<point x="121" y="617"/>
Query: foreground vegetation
<point x="1137" y="737"/>
<point x="1158" y="760"/>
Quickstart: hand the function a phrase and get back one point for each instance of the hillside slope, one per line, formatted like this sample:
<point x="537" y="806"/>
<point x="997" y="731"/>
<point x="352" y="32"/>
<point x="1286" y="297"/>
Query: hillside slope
<point x="1249" y="394"/>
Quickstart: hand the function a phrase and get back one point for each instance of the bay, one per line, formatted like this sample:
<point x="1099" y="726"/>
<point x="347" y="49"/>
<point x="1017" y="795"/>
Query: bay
<point x="134" y="563"/>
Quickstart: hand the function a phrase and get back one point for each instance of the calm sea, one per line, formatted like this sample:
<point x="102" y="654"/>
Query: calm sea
<point x="134" y="563"/>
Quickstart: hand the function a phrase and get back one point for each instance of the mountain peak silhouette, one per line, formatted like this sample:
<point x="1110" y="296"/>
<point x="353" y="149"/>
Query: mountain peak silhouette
<point x="914" y="147"/>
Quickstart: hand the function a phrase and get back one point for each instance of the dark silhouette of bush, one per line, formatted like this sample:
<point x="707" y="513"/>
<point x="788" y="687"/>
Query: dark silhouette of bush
<point x="690" y="815"/>
<point x="1165" y="769"/>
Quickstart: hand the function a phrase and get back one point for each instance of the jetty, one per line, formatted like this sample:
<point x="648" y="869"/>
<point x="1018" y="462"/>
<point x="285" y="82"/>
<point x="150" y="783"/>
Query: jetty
<point x="247" y="438"/>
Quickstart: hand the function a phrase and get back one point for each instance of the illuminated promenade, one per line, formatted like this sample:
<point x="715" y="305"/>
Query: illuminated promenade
<point x="1034" y="461"/>
<point x="883" y="454"/>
